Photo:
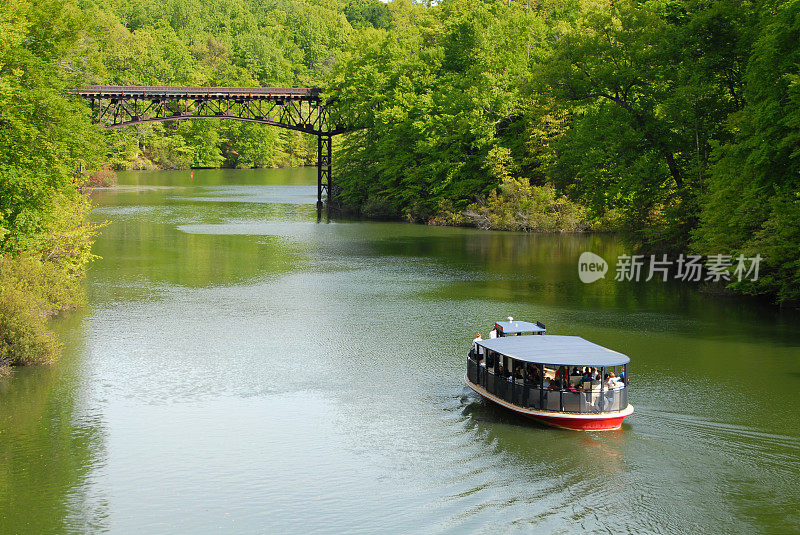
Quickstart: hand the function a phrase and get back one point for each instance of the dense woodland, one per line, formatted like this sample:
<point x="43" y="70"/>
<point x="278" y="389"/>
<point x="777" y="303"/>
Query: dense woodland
<point x="674" y="122"/>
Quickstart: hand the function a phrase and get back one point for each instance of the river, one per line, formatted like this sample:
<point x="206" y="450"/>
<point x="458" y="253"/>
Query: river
<point x="242" y="367"/>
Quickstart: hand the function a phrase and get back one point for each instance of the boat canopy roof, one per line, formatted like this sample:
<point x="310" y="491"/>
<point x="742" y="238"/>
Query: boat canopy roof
<point x="557" y="350"/>
<point x="512" y="327"/>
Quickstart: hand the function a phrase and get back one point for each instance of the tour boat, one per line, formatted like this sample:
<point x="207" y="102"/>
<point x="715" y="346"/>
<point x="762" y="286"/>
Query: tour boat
<point x="562" y="381"/>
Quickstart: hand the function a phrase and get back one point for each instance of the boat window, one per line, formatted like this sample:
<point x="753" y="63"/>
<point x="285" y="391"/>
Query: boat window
<point x="551" y="387"/>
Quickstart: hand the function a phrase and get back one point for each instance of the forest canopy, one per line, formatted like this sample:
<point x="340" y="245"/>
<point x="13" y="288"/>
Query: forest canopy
<point x="675" y="122"/>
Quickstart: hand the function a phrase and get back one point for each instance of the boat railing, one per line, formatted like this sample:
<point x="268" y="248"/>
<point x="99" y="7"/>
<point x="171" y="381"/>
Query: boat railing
<point x="528" y="395"/>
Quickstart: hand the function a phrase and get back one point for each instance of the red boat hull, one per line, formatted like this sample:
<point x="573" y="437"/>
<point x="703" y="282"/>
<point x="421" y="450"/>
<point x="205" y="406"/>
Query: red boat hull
<point x="577" y="422"/>
<point x="588" y="424"/>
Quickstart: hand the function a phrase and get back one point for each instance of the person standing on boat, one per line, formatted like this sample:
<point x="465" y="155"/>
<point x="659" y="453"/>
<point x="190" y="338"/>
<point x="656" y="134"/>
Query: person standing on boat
<point x="587" y="376"/>
<point x="546" y="383"/>
<point x="493" y="332"/>
<point x="478" y="350"/>
<point x="563" y="374"/>
<point x="612" y="383"/>
<point x="475" y="342"/>
<point x="535" y="378"/>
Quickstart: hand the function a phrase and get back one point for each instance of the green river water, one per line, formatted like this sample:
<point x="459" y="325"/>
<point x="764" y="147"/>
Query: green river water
<point x="244" y="368"/>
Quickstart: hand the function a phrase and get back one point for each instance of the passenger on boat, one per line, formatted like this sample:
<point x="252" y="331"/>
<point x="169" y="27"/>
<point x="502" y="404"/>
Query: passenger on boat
<point x="502" y="372"/>
<point x="564" y="370"/>
<point x="576" y="372"/>
<point x="612" y="382"/>
<point x="546" y="383"/>
<point x="478" y="350"/>
<point x="493" y="332"/>
<point x="587" y="376"/>
<point x="532" y="374"/>
<point x="475" y="345"/>
<point x="555" y="384"/>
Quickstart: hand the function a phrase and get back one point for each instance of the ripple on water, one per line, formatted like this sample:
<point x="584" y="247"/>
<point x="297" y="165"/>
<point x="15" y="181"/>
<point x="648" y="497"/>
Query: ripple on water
<point x="304" y="376"/>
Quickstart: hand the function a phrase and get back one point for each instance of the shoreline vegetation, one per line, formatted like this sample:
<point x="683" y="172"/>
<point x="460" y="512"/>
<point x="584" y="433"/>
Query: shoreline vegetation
<point x="516" y="205"/>
<point x="46" y="145"/>
<point x="676" y="123"/>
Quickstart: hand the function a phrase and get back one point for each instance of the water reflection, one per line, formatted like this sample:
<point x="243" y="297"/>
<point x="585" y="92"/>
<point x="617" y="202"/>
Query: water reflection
<point x="244" y="367"/>
<point x="49" y="444"/>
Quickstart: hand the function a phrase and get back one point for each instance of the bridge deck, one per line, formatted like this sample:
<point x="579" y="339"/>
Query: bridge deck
<point x="202" y="93"/>
<point x="294" y="108"/>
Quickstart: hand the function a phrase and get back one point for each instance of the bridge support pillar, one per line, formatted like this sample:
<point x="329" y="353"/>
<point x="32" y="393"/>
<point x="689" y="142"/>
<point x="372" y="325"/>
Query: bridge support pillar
<point x="324" y="174"/>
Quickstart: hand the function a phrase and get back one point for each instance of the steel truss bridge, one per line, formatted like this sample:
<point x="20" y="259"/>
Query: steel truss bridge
<point x="295" y="108"/>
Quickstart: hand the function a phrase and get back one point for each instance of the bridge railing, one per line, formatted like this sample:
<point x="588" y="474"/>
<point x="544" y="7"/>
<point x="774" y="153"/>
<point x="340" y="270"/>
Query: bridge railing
<point x="294" y="108"/>
<point x="146" y="91"/>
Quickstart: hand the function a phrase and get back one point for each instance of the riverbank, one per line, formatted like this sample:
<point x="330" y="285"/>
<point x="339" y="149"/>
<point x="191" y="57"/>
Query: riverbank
<point x="32" y="291"/>
<point x="106" y="177"/>
<point x="515" y="205"/>
<point x="209" y="145"/>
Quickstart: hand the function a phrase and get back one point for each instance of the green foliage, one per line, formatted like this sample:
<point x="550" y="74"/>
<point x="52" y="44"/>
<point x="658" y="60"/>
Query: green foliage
<point x="517" y="205"/>
<point x="447" y="215"/>
<point x="366" y="13"/>
<point x="30" y="290"/>
<point x="676" y="122"/>
<point x="433" y="98"/>
<point x="779" y="242"/>
<point x="251" y="145"/>
<point x="377" y="207"/>
<point x="46" y="143"/>
<point x="650" y="83"/>
<point x="752" y="205"/>
<point x="45" y="137"/>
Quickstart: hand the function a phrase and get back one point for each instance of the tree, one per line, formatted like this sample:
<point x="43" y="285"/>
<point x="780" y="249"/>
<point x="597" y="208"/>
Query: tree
<point x="46" y="141"/>
<point x="752" y="201"/>
<point x="650" y="82"/>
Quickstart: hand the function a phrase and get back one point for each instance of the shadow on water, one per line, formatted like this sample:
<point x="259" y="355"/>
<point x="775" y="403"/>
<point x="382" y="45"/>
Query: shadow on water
<point x="481" y="412"/>
<point x="719" y="471"/>
<point x="521" y="436"/>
